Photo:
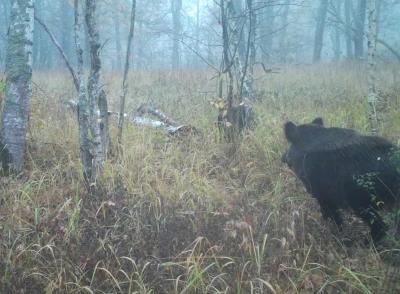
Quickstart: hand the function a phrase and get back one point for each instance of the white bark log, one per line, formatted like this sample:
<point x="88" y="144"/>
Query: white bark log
<point x="18" y="81"/>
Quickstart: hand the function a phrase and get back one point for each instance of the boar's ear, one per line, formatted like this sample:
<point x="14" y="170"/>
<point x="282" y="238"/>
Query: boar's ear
<point x="318" y="121"/>
<point x="291" y="132"/>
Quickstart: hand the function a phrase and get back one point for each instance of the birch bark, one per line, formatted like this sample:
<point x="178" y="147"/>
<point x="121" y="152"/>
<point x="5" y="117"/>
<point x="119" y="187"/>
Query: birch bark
<point x="18" y="81"/>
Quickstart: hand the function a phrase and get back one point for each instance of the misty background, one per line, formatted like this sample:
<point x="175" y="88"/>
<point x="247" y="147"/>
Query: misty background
<point x="187" y="33"/>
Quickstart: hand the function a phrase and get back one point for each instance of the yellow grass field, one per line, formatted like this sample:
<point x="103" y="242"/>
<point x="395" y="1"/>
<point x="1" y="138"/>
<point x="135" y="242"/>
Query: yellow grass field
<point x="190" y="214"/>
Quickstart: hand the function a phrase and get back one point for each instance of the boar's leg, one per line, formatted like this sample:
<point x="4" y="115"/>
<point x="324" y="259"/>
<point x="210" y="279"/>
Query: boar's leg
<point x="330" y="211"/>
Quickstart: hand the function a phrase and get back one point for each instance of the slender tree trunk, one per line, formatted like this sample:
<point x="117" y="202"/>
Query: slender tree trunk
<point x="124" y="82"/>
<point x="176" y="8"/>
<point x="372" y="95"/>
<point x="359" y="31"/>
<point x="247" y="72"/>
<point x="18" y="81"/>
<point x="83" y="103"/>
<point x="319" y="30"/>
<point x="96" y="95"/>
<point x="349" y="33"/>
<point x="283" y="35"/>
<point x="227" y="68"/>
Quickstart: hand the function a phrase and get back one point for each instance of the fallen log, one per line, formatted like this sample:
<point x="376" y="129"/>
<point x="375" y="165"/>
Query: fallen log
<point x="150" y="109"/>
<point x="163" y="122"/>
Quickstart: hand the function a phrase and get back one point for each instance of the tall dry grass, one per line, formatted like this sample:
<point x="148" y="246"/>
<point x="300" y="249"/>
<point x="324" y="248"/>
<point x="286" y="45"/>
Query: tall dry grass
<point x="188" y="215"/>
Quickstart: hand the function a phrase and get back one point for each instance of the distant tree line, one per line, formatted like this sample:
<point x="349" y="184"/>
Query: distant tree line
<point x="187" y="33"/>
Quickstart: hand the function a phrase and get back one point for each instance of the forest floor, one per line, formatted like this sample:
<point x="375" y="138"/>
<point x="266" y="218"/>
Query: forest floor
<point x="189" y="214"/>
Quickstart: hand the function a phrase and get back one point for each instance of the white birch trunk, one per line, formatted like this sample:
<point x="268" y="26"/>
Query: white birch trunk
<point x="93" y="87"/>
<point x="372" y="95"/>
<point x="83" y="105"/>
<point x="18" y="81"/>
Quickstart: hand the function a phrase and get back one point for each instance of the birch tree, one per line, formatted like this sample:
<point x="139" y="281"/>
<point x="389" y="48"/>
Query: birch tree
<point x="372" y="95"/>
<point x="83" y="104"/>
<point x="18" y="81"/>
<point x="98" y="114"/>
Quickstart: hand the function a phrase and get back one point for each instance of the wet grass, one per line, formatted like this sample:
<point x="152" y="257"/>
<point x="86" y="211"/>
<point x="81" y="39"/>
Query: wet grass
<point x="188" y="215"/>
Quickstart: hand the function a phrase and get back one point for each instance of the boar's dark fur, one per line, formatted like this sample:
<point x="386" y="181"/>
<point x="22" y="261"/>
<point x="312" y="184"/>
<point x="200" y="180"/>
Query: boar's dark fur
<point x="344" y="169"/>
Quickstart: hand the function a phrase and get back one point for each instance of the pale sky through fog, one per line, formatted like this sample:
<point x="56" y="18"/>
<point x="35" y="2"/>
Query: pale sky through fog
<point x="191" y="7"/>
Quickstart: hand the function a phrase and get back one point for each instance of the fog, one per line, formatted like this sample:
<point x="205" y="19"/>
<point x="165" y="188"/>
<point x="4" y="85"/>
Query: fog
<point x="190" y="36"/>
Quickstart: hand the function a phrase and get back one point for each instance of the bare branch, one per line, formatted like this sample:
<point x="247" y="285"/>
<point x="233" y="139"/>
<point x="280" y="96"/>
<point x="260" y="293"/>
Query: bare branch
<point x="59" y="48"/>
<point x="124" y="82"/>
